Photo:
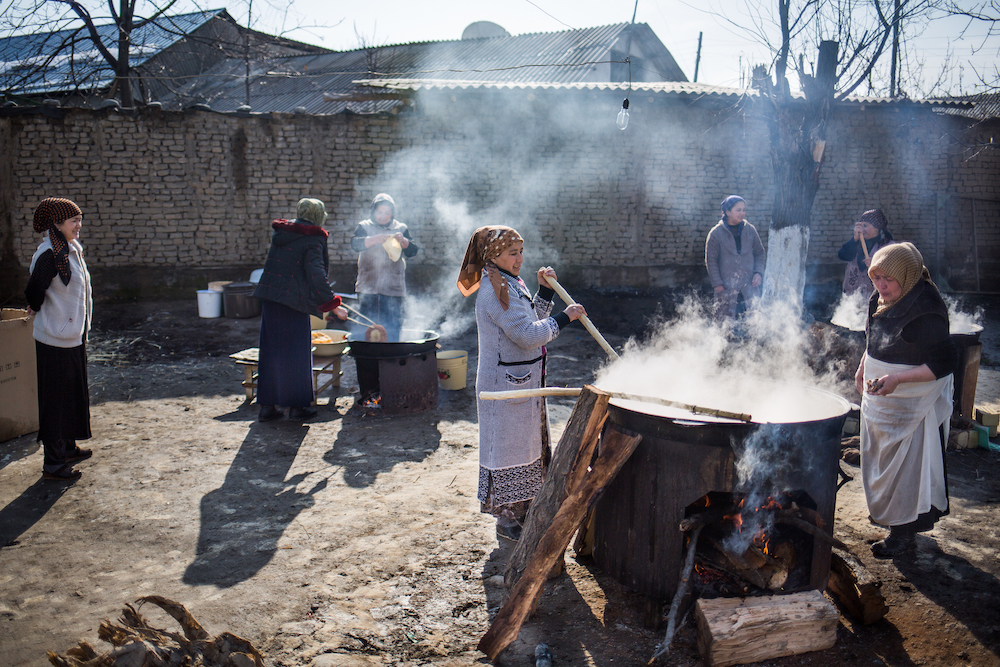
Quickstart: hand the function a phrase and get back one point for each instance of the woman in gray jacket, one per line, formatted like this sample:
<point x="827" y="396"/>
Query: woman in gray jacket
<point x="513" y="328"/>
<point x="734" y="257"/>
<point x="60" y="297"/>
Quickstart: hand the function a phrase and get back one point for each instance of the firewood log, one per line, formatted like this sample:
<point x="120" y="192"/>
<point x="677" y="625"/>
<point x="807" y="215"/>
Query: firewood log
<point x="855" y="589"/>
<point x="734" y="631"/>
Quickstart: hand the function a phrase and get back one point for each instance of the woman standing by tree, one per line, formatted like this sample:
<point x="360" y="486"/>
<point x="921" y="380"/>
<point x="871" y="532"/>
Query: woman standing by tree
<point x="734" y="257"/>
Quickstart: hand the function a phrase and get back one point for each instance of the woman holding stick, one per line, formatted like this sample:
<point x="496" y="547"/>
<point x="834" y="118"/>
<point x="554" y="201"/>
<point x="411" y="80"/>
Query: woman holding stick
<point x="906" y="384"/>
<point x="871" y="232"/>
<point x="513" y="328"/>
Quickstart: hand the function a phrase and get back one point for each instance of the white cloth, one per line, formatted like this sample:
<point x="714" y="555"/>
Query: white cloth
<point x="64" y="318"/>
<point x="902" y="461"/>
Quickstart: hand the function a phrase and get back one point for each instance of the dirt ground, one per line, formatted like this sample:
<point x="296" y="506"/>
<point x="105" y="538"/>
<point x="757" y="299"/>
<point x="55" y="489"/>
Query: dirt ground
<point x="355" y="540"/>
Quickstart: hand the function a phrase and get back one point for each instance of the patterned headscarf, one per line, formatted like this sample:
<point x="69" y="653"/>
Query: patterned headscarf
<point x="903" y="263"/>
<point x="486" y="245"/>
<point x="875" y="218"/>
<point x="312" y="210"/>
<point x="49" y="213"/>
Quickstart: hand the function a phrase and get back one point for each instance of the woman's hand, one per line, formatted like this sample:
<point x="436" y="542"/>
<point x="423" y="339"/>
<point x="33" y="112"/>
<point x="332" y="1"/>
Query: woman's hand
<point x="542" y="273"/>
<point x="403" y="241"/>
<point x="859" y="377"/>
<point x="719" y="289"/>
<point x="340" y="312"/>
<point x="575" y="311"/>
<point x="756" y="280"/>
<point x="868" y="262"/>
<point x="859" y="231"/>
<point x="377" y="239"/>
<point x="884" y="385"/>
<point x="30" y="311"/>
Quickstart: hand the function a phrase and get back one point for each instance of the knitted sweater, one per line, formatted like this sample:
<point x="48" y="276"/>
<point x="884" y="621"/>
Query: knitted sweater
<point x="63" y="311"/>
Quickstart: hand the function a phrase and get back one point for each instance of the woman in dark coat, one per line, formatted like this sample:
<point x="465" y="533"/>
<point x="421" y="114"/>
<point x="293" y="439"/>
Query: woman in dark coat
<point x="872" y="229"/>
<point x="60" y="297"/>
<point x="906" y="384"/>
<point x="734" y="257"/>
<point x="292" y="287"/>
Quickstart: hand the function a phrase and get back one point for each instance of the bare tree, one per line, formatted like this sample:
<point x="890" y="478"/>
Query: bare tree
<point x="853" y="37"/>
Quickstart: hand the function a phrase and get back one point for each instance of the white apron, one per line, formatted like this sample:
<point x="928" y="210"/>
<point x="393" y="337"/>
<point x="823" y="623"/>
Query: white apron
<point x="902" y="463"/>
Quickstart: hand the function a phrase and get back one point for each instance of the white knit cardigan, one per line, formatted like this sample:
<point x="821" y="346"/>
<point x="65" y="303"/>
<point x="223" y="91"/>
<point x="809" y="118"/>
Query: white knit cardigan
<point x="511" y="433"/>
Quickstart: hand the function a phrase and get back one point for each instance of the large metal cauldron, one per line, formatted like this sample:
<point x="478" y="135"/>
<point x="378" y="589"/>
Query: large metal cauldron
<point x="412" y="342"/>
<point x="680" y="460"/>
<point x="402" y="375"/>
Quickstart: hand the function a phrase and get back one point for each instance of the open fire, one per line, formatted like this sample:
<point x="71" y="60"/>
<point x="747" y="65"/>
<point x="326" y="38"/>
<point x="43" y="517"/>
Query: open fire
<point x="750" y="549"/>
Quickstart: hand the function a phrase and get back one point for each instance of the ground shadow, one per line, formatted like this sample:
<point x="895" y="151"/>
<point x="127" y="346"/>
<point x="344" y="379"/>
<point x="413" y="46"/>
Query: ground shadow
<point x="24" y="511"/>
<point x="367" y="445"/>
<point x="15" y="449"/>
<point x="937" y="574"/>
<point x="587" y="640"/>
<point x="242" y="521"/>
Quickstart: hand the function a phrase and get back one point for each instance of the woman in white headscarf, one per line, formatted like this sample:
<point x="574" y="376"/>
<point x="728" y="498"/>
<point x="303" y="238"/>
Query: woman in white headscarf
<point x="906" y="383"/>
<point x="513" y="328"/>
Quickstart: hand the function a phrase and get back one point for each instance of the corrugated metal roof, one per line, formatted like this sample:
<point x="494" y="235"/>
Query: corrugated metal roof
<point x="71" y="61"/>
<point x="284" y="84"/>
<point x="668" y="87"/>
<point x="984" y="106"/>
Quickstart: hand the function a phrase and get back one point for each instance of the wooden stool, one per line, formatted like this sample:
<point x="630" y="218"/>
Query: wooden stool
<point x="249" y="359"/>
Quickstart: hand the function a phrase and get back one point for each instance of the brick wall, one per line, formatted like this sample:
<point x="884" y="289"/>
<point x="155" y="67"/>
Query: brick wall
<point x="172" y="200"/>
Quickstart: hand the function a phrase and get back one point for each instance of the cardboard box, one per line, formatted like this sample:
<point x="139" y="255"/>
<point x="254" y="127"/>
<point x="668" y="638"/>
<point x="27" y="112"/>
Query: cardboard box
<point x="18" y="380"/>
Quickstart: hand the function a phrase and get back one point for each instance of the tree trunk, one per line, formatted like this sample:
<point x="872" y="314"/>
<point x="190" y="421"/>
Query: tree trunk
<point x="798" y="141"/>
<point x="122" y="71"/>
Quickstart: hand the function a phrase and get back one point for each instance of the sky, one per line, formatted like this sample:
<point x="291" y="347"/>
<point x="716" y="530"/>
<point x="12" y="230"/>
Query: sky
<point x="728" y="49"/>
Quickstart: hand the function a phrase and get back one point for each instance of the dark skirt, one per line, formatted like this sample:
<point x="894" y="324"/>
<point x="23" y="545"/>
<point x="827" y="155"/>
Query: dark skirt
<point x="63" y="392"/>
<point x="284" y="371"/>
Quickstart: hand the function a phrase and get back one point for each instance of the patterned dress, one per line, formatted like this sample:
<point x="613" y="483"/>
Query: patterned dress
<point x="512" y="434"/>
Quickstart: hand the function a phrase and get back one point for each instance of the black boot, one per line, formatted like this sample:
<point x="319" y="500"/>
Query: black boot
<point x="899" y="543"/>
<point x="269" y="413"/>
<point x="301" y="414"/>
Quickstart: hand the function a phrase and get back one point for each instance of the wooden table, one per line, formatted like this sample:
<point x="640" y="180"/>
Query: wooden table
<point x="249" y="360"/>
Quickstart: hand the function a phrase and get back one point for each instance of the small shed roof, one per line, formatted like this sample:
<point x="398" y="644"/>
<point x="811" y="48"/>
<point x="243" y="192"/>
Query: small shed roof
<point x="67" y="60"/>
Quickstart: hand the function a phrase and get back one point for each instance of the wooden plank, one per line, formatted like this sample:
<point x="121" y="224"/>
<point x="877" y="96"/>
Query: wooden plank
<point x="569" y="463"/>
<point x="734" y="631"/>
<point x="855" y="589"/>
<point x="616" y="447"/>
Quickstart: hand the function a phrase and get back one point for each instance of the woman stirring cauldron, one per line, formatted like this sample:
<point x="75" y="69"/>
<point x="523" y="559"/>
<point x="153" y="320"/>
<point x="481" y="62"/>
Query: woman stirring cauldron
<point x="734" y="257"/>
<point x="871" y="229"/>
<point x="292" y="287"/>
<point x="906" y="384"/>
<point x="60" y="296"/>
<point x="513" y="328"/>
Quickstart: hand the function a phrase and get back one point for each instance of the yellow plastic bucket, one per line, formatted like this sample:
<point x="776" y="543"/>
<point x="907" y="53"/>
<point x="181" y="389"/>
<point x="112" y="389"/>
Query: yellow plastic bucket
<point x="453" y="366"/>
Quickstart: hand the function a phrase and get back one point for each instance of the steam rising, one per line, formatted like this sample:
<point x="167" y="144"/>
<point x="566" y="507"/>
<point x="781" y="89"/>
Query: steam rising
<point x="757" y="366"/>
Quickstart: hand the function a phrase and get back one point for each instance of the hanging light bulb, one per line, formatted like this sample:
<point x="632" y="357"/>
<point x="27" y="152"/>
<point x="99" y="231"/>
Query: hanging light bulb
<point x="622" y="120"/>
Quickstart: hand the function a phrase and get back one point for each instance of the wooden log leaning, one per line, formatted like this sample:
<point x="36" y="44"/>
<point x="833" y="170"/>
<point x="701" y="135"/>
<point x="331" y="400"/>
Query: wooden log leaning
<point x="855" y="589"/>
<point x="569" y="463"/>
<point x="736" y="631"/>
<point x="616" y="448"/>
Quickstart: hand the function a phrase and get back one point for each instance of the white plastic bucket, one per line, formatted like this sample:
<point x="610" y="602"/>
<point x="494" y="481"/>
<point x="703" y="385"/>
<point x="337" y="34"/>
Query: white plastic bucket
<point x="209" y="303"/>
<point x="453" y="366"/>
